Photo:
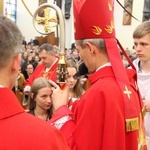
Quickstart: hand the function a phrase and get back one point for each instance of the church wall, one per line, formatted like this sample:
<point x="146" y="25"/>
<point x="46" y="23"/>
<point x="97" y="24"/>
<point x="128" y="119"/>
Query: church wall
<point x="24" y="19"/>
<point x="123" y="32"/>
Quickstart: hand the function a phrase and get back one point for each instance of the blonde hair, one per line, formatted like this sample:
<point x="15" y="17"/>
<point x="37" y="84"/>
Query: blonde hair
<point x="142" y="30"/>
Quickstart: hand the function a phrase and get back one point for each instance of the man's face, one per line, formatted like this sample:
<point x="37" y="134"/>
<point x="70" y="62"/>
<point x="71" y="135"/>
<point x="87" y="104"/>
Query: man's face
<point x="46" y="58"/>
<point x="142" y="47"/>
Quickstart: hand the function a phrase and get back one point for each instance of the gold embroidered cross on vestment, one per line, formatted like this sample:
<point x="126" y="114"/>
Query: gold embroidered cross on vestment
<point x="126" y="91"/>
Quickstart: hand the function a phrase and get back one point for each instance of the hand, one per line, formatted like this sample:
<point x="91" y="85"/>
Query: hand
<point x="59" y="97"/>
<point x="147" y="105"/>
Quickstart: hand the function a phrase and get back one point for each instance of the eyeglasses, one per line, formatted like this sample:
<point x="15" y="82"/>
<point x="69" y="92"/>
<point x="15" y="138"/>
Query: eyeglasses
<point x="29" y="68"/>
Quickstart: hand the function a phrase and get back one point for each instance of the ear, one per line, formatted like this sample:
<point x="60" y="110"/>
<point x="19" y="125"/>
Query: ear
<point x="52" y="54"/>
<point x="91" y="48"/>
<point x="16" y="63"/>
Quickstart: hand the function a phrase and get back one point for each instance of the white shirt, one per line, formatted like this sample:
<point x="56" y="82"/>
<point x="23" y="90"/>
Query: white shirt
<point x="144" y="87"/>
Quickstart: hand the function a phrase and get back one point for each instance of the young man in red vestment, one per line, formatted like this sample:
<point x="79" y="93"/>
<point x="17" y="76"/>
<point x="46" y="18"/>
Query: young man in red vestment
<point x="47" y="68"/>
<point x="19" y="130"/>
<point x="108" y="116"/>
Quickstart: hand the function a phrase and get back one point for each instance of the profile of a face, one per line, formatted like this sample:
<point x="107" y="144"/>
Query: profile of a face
<point x="71" y="82"/>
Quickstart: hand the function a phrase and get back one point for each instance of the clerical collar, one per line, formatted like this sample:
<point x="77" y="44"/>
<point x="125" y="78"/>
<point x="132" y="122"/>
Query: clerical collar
<point x="107" y="64"/>
<point x="1" y="86"/>
<point x="48" y="68"/>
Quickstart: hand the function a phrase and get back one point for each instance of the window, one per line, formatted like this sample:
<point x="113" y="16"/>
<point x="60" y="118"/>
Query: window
<point x="10" y="9"/>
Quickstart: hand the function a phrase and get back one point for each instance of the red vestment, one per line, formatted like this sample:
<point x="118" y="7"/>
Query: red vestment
<point x="22" y="131"/>
<point x="40" y="72"/>
<point x="100" y="116"/>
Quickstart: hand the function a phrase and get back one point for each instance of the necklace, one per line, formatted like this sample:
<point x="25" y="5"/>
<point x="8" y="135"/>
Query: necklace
<point x="45" y="118"/>
<point x="144" y="97"/>
<point x="144" y="92"/>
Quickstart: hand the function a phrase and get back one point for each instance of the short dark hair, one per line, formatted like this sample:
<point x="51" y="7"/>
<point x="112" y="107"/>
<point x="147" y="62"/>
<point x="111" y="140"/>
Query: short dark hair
<point x="47" y="47"/>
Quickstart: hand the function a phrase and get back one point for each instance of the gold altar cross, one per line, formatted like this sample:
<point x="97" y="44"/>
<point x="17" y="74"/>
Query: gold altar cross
<point x="46" y="19"/>
<point x="127" y="92"/>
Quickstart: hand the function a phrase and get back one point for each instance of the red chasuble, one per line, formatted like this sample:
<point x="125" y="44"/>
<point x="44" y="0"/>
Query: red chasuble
<point x="22" y="131"/>
<point x="40" y="72"/>
<point x="100" y="116"/>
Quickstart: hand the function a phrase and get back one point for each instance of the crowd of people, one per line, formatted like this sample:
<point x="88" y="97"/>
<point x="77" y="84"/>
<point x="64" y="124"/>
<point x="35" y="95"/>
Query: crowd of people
<point x="34" y="60"/>
<point x="111" y="114"/>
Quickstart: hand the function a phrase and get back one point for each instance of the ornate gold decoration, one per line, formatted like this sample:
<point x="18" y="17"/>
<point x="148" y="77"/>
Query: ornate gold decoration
<point x="48" y="74"/>
<point x="110" y="5"/>
<point x="46" y="19"/>
<point x="96" y="30"/>
<point x="127" y="92"/>
<point x="142" y="138"/>
<point x="109" y="28"/>
<point x="132" y="124"/>
<point x="143" y="112"/>
<point x="61" y="23"/>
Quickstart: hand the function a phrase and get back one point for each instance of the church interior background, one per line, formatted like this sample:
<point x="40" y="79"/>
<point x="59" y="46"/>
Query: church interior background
<point x="21" y="12"/>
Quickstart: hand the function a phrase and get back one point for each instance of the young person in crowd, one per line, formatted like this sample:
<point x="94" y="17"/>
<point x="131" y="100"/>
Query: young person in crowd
<point x="141" y="36"/>
<point x="36" y="61"/>
<point x="75" y="87"/>
<point x="29" y="70"/>
<point x="40" y="104"/>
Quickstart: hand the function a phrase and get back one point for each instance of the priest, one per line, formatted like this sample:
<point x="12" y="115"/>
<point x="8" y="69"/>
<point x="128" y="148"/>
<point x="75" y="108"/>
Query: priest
<point x="47" y="67"/>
